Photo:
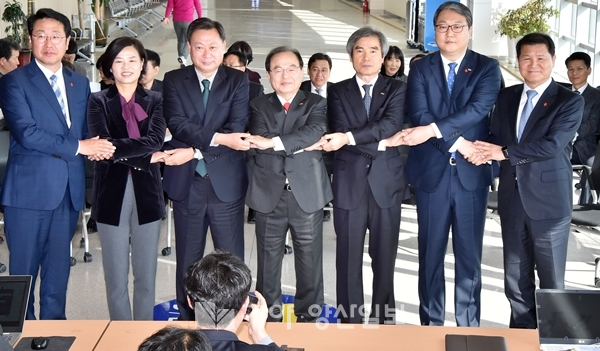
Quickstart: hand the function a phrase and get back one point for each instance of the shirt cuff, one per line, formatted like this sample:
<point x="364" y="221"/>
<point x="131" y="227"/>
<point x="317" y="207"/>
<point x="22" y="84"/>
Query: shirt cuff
<point x="266" y="341"/>
<point x="438" y="134"/>
<point x="381" y="146"/>
<point x="278" y="144"/>
<point x="78" y="146"/>
<point x="351" y="140"/>
<point x="212" y="141"/>
<point x="198" y="154"/>
<point x="456" y="144"/>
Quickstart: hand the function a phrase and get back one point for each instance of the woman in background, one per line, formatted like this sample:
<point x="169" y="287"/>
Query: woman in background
<point x="393" y="64"/>
<point x="127" y="194"/>
<point x="183" y="15"/>
<point x="244" y="48"/>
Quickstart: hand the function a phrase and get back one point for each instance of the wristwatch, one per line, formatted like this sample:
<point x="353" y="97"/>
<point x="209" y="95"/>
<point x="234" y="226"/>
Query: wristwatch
<point x="505" y="152"/>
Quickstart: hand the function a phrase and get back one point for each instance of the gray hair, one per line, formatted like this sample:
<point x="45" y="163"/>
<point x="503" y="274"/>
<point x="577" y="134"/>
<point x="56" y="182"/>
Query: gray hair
<point x="457" y="7"/>
<point x="367" y="32"/>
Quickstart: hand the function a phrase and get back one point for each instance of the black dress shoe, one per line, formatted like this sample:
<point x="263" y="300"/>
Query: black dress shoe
<point x="91" y="226"/>
<point x="326" y="215"/>
<point x="251" y="216"/>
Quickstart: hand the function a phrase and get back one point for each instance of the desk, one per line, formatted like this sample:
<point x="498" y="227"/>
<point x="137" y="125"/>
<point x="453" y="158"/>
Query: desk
<point x="126" y="336"/>
<point x="86" y="333"/>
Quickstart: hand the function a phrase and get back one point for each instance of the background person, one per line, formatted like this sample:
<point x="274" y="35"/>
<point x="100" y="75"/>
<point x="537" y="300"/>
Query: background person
<point x="176" y="339"/>
<point x="183" y="15"/>
<point x="128" y="201"/>
<point x="393" y="64"/>
<point x="244" y="48"/>
<point x="148" y="79"/>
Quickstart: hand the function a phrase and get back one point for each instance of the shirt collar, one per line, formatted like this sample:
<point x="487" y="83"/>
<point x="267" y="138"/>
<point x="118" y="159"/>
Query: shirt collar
<point x="580" y="90"/>
<point x="210" y="79"/>
<point x="283" y="101"/>
<point x="540" y="89"/>
<point x="361" y="82"/>
<point x="48" y="73"/>
<point x="458" y="61"/>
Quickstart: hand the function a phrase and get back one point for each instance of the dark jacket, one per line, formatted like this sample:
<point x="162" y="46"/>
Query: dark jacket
<point x="131" y="156"/>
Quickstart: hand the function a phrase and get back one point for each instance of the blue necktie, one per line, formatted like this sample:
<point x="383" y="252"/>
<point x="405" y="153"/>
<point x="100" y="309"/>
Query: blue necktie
<point x="451" y="76"/>
<point x="319" y="91"/>
<point x="526" y="112"/>
<point x="201" y="167"/>
<point x="367" y="98"/>
<point x="58" y="94"/>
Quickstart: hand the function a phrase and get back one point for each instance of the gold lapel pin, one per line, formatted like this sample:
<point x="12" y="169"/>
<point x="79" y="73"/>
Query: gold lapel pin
<point x="300" y="103"/>
<point x="467" y="70"/>
<point x="382" y="93"/>
<point x="545" y="104"/>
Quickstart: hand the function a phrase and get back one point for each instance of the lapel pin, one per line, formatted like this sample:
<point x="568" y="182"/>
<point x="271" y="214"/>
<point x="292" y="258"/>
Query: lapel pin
<point x="71" y="83"/>
<point x="382" y="93"/>
<point x="545" y="104"/>
<point x="467" y="70"/>
<point x="300" y="103"/>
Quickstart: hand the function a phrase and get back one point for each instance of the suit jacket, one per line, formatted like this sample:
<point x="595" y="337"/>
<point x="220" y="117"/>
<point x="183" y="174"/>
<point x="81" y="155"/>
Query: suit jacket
<point x="157" y="86"/>
<point x="540" y="163"/>
<point x="360" y="167"/>
<point x="133" y="156"/>
<point x="256" y="90"/>
<point x="193" y="124"/>
<point x="465" y="114"/>
<point x="223" y="340"/>
<point x="586" y="144"/>
<point x="306" y="85"/>
<point x="43" y="158"/>
<point x="304" y="124"/>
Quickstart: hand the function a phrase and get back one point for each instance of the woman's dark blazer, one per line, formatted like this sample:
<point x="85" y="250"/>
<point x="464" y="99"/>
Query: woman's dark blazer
<point x="131" y="155"/>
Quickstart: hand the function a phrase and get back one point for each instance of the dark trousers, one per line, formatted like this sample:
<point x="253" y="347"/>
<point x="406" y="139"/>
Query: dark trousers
<point x="40" y="240"/>
<point x="450" y="205"/>
<point x="193" y="216"/>
<point x="529" y="244"/>
<point x="307" y="238"/>
<point x="350" y="228"/>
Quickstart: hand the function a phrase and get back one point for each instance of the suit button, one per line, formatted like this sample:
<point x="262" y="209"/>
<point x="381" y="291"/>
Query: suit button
<point x="368" y="166"/>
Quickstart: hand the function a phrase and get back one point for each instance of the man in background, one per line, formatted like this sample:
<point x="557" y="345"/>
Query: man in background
<point x="148" y="80"/>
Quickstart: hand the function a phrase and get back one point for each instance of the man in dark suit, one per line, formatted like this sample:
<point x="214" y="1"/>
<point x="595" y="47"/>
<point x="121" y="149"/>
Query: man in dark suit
<point x="217" y="288"/>
<point x="369" y="183"/>
<point x="532" y="128"/>
<point x="288" y="184"/>
<point x="319" y="69"/>
<point x="206" y="109"/>
<point x="451" y="94"/>
<point x="44" y="185"/>
<point x="148" y="80"/>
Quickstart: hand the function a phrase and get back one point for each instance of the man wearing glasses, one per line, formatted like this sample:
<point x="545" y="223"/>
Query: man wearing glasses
<point x="288" y="185"/>
<point x="45" y="107"/>
<point x="451" y="94"/>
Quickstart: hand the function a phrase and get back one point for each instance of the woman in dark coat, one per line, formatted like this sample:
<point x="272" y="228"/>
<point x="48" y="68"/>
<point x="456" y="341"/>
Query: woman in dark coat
<point x="127" y="196"/>
<point x="393" y="64"/>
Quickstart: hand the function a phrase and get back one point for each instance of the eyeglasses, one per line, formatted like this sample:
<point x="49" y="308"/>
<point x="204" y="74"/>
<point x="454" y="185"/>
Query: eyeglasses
<point x="233" y="66"/>
<point x="456" y="28"/>
<point x="54" y="39"/>
<point x="290" y="70"/>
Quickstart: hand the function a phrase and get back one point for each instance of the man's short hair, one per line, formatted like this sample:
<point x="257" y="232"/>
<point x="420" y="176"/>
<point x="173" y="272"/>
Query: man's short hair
<point x="176" y="339"/>
<point x="7" y="47"/>
<point x="240" y="55"/>
<point x="457" y="7"/>
<point x="205" y="23"/>
<point x="48" y="13"/>
<point x="115" y="47"/>
<point x="367" y="32"/>
<point x="578" y="55"/>
<point x="536" y="38"/>
<point x="317" y="57"/>
<point x="72" y="49"/>
<point x="244" y="48"/>
<point x="279" y="50"/>
<point x="153" y="57"/>
<point x="219" y="284"/>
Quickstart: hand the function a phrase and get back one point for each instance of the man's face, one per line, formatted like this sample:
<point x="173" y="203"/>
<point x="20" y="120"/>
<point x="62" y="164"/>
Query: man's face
<point x="206" y="50"/>
<point x="578" y="72"/>
<point x="285" y="74"/>
<point x="367" y="57"/>
<point x="319" y="73"/>
<point x="11" y="64"/>
<point x="452" y="45"/>
<point x="535" y="64"/>
<point x="150" y="73"/>
<point x="49" y="52"/>
<point x="234" y="62"/>
<point x="70" y="57"/>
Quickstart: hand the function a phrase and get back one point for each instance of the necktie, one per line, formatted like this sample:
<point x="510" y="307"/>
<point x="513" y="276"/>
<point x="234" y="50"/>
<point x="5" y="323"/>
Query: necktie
<point x="577" y="92"/>
<point x="367" y="98"/>
<point x="201" y="167"/>
<point x="451" y="76"/>
<point x="286" y="106"/>
<point x="526" y="112"/>
<point x="319" y="91"/>
<point x="58" y="94"/>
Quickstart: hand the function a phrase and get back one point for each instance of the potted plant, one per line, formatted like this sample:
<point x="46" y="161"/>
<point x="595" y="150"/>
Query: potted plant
<point x="13" y="14"/>
<point x="532" y="17"/>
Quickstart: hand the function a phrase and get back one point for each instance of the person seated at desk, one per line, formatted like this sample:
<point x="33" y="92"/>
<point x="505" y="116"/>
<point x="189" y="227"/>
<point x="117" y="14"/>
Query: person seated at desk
<point x="176" y="339"/>
<point x="218" y="288"/>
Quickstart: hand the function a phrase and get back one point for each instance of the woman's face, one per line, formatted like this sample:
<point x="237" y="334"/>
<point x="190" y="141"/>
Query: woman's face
<point x="392" y="65"/>
<point x="127" y="66"/>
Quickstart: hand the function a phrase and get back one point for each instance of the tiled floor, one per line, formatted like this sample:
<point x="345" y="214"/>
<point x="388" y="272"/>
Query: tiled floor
<point x="313" y="26"/>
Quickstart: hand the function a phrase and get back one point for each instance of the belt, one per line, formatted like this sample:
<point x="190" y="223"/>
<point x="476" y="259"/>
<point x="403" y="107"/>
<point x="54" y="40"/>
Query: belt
<point x="452" y="161"/>
<point x="287" y="187"/>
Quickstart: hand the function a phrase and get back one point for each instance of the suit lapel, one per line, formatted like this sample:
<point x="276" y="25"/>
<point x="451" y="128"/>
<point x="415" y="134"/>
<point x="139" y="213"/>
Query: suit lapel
<point x="379" y="93"/>
<point x="192" y="86"/>
<point x="217" y="88"/>
<point x="544" y="103"/>
<point x="277" y="111"/>
<point x="513" y="111"/>
<point x="41" y="82"/>
<point x="355" y="100"/>
<point x="438" y="73"/>
<point x="463" y="74"/>
<point x="296" y="110"/>
<point x="113" y="102"/>
<point x="142" y="98"/>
